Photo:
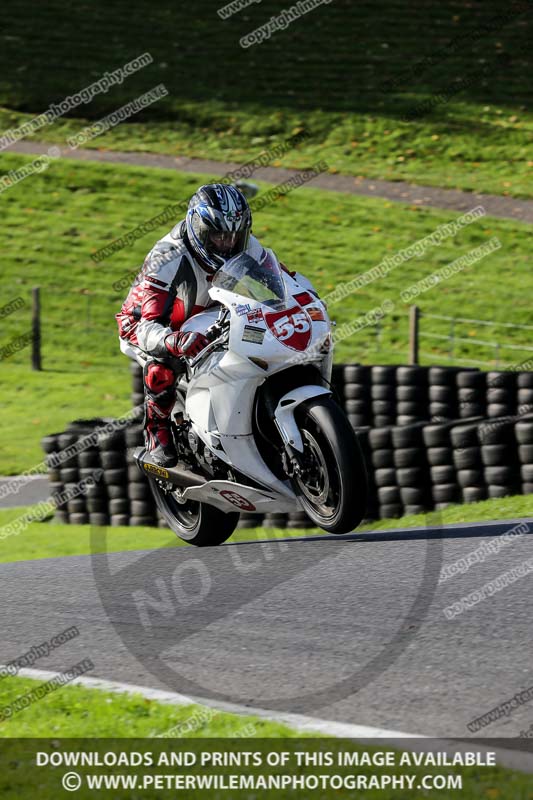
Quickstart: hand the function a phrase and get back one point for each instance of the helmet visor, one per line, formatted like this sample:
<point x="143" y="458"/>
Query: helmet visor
<point x="222" y="242"/>
<point x="226" y="243"/>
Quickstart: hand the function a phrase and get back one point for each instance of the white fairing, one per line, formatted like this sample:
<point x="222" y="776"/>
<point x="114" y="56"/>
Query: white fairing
<point x="221" y="391"/>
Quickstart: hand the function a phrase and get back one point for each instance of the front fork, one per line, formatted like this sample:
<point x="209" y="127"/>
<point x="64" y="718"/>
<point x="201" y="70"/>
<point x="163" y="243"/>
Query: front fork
<point x="285" y="421"/>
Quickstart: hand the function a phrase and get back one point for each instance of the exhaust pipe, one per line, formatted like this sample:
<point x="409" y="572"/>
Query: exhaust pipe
<point x="176" y="475"/>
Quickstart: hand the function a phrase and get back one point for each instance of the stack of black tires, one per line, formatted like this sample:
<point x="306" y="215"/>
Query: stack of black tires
<point x="412" y="395"/>
<point x="468" y="462"/>
<point x="443" y="392"/>
<point x="383" y="393"/>
<point x="471" y="393"/>
<point x="137" y="385"/>
<point x="502" y="393"/>
<point x="352" y="382"/>
<point x="118" y="494"/>
<point x="65" y="471"/>
<point x="379" y="396"/>
<point x="440" y="455"/>
<point x="412" y="468"/>
<point x="422" y="467"/>
<point x="524" y="439"/>
<point x="380" y="465"/>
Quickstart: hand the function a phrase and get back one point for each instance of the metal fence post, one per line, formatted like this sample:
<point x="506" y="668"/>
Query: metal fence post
<point x="452" y="337"/>
<point x="414" y="330"/>
<point x="36" y="329"/>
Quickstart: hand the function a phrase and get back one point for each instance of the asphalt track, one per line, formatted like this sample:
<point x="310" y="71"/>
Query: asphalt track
<point x="350" y="629"/>
<point x="35" y="490"/>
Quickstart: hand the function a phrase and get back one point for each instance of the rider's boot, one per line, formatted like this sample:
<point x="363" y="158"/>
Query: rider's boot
<point x="160" y="395"/>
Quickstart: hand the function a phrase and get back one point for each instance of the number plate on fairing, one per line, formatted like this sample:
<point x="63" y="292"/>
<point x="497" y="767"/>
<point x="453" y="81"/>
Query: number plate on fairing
<point x="291" y="327"/>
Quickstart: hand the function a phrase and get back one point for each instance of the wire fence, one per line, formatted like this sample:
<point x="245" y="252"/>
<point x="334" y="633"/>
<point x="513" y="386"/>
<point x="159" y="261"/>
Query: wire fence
<point x="79" y="326"/>
<point x="455" y="337"/>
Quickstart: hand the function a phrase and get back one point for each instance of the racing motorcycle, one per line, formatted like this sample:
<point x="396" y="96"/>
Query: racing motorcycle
<point x="255" y="424"/>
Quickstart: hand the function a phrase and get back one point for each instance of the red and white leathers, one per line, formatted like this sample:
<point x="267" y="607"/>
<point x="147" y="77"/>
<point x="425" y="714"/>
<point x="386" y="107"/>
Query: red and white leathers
<point x="170" y="288"/>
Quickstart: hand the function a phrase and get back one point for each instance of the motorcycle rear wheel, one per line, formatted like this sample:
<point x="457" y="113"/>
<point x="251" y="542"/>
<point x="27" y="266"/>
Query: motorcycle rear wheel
<point x="196" y="523"/>
<point x="333" y="489"/>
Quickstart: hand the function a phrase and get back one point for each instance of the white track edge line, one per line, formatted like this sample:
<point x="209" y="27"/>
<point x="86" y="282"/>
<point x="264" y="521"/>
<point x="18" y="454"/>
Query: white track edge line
<point x="512" y="759"/>
<point x="174" y="698"/>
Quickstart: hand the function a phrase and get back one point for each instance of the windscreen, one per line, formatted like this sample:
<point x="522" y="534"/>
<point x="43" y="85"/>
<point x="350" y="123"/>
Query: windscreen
<point x="258" y="280"/>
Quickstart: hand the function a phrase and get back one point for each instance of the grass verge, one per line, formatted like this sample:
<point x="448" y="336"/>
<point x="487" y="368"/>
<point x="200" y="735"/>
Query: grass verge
<point x="75" y="711"/>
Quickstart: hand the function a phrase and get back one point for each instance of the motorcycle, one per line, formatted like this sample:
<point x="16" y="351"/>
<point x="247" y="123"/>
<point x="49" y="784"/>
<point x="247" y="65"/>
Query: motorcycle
<point x="255" y="424"/>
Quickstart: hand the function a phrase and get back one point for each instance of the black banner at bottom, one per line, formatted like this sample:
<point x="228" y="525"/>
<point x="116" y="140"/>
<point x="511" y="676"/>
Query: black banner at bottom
<point x="323" y="768"/>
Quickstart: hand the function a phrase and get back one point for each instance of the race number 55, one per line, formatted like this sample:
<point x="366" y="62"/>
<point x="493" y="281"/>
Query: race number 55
<point x="286" y="326"/>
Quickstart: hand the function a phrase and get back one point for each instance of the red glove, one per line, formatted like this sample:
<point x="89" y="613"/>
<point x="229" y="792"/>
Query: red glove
<point x="185" y="343"/>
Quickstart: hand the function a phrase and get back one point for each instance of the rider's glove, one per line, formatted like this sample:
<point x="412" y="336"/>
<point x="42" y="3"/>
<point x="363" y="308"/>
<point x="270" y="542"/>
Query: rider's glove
<point x="185" y="343"/>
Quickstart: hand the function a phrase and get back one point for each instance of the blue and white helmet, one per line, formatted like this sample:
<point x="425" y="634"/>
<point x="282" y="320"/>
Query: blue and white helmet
<point x="218" y="224"/>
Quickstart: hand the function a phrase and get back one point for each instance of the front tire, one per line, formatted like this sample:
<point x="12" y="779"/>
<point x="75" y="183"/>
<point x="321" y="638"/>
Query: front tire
<point x="196" y="523"/>
<point x="333" y="489"/>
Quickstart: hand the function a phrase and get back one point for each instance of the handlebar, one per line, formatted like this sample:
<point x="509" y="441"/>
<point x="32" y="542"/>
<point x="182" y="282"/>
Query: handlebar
<point x="220" y="331"/>
<point x="215" y="330"/>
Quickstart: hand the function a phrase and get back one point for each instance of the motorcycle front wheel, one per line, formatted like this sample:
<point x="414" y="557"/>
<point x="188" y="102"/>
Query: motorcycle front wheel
<point x="333" y="486"/>
<point x="196" y="523"/>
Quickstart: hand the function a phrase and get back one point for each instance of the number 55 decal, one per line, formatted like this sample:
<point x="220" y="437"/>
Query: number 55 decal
<point x="292" y="327"/>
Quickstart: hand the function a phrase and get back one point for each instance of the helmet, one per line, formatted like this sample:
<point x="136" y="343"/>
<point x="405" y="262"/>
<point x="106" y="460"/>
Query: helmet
<point x="218" y="224"/>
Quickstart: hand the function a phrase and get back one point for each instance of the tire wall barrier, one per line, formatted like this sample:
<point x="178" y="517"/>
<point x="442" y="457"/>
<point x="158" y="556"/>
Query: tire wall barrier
<point x="431" y="436"/>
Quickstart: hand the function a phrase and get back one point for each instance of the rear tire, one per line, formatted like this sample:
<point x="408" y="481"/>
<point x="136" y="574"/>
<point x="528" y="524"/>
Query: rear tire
<point x="335" y="492"/>
<point x="196" y="523"/>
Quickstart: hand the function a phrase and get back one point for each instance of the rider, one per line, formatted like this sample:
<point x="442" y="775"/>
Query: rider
<point x="172" y="286"/>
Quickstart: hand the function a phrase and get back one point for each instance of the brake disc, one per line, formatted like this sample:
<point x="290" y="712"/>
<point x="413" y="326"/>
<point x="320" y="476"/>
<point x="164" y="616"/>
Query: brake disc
<point x="321" y="491"/>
